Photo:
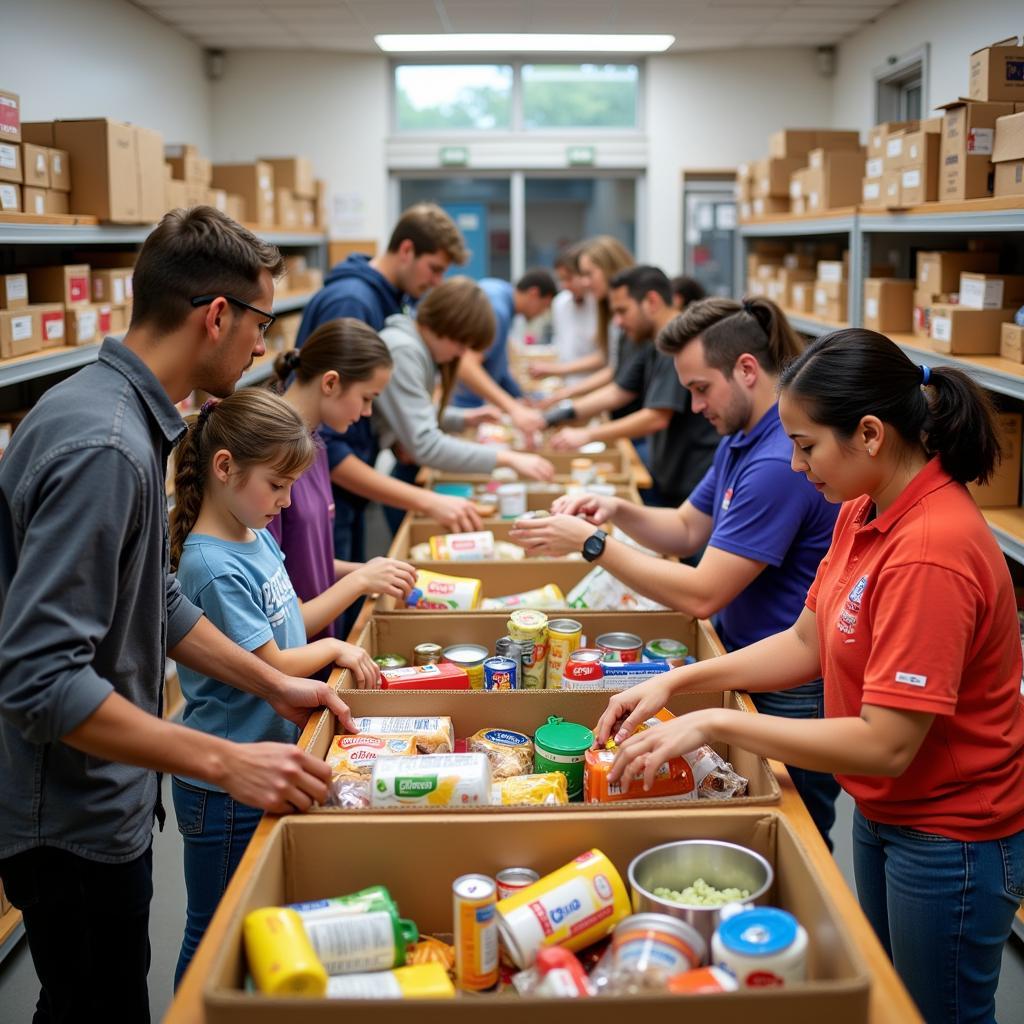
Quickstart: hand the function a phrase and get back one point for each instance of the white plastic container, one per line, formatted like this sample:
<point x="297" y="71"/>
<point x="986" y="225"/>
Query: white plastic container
<point x="511" y="500"/>
<point x="763" y="947"/>
<point x="435" y="780"/>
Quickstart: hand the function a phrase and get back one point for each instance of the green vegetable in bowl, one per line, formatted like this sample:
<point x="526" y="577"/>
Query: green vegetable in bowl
<point x="701" y="894"/>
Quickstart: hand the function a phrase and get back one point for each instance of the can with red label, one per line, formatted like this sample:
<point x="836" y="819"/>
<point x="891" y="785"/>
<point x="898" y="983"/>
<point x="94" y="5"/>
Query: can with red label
<point x="620" y="646"/>
<point x="584" y="670"/>
<point x="511" y="880"/>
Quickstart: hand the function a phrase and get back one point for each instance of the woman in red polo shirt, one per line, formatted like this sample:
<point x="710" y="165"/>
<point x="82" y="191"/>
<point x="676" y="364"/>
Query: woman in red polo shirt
<point x="912" y="622"/>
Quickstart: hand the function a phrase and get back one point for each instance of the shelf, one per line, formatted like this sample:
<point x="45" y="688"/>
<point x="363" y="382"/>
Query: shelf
<point x="289" y="303"/>
<point x="83" y="230"/>
<point x="1002" y="214"/>
<point x="57" y="360"/>
<point x="808" y="323"/>
<point x="11" y="931"/>
<point x="992" y="372"/>
<point x="1008" y="526"/>
<point x="260" y="371"/>
<point x="831" y="222"/>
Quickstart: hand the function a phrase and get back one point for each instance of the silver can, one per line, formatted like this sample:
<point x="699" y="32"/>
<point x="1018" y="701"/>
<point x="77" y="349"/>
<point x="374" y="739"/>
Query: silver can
<point x="511" y="880"/>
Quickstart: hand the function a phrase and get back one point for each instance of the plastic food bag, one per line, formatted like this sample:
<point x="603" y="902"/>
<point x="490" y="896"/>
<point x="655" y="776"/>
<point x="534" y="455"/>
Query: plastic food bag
<point x="714" y="776"/>
<point x="510" y="753"/>
<point x="550" y="788"/>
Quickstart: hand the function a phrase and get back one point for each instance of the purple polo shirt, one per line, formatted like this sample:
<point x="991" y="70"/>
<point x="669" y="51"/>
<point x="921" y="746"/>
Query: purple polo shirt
<point x="305" y="532"/>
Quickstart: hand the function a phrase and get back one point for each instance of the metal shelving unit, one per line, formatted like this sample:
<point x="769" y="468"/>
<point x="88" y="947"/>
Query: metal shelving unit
<point x="57" y="361"/>
<point x="128" y="234"/>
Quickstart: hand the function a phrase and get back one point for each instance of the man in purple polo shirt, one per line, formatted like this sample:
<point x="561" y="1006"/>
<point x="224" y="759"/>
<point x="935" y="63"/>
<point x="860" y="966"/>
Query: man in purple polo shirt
<point x="765" y="527"/>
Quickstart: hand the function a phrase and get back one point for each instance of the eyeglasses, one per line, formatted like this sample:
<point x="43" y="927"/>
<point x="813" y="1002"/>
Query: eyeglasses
<point x="205" y="300"/>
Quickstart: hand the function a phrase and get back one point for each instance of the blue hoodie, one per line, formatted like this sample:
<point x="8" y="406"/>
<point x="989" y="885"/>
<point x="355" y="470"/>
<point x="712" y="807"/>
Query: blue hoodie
<point x="352" y="288"/>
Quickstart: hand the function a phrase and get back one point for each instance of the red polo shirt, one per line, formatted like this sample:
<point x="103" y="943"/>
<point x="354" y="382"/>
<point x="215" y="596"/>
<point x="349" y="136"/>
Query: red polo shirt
<point x="915" y="610"/>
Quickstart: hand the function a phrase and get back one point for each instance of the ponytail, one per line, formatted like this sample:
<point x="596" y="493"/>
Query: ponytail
<point x="257" y="427"/>
<point x="352" y="349"/>
<point x="849" y="374"/>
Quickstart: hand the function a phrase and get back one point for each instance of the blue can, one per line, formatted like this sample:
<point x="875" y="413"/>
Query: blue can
<point x="501" y="674"/>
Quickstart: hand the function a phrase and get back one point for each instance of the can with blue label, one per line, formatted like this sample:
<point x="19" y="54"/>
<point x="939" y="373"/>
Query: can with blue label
<point x="501" y="674"/>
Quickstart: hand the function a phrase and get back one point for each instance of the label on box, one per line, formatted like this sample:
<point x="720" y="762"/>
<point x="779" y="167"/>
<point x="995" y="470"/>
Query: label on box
<point x="979" y="140"/>
<point x="871" y="308"/>
<point x="872" y="189"/>
<point x="86" y="325"/>
<point x="830" y="271"/>
<point x="265" y="183"/>
<point x="8" y="156"/>
<point x="39" y="202"/>
<point x="128" y="286"/>
<point x="820" y="298"/>
<point x="78" y="289"/>
<point x="118" y="297"/>
<point x="58" y="163"/>
<point x="8" y="197"/>
<point x="942" y="328"/>
<point x="103" y="319"/>
<point x="813" y="200"/>
<point x="10" y="121"/>
<point x="875" y="167"/>
<point x="795" y="189"/>
<point x="977" y="294"/>
<point x="21" y="327"/>
<point x="40" y="163"/>
<point x="17" y="287"/>
<point x="912" y="179"/>
<point x="53" y="325"/>
<point x="894" y="147"/>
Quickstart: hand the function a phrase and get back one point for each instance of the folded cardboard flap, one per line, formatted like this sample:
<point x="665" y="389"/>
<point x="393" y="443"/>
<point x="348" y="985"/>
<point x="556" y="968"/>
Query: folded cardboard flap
<point x="313" y="857"/>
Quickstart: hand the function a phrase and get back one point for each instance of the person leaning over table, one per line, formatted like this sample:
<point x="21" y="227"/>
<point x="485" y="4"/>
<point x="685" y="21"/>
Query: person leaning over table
<point x="765" y="529"/>
<point x="89" y="611"/>
<point x="912" y="621"/>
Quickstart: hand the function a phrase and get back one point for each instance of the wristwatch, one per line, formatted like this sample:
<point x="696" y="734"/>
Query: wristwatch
<point x="560" y="413"/>
<point x="593" y="546"/>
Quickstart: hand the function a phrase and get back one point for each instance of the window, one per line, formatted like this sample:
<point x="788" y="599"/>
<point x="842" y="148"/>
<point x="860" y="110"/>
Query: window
<point x="459" y="97"/>
<point x="579" y="95"/>
<point x="900" y="89"/>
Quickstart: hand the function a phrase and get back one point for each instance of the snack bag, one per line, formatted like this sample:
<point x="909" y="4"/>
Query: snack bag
<point x="510" y="753"/>
<point x="354" y="756"/>
<point x="543" y="788"/>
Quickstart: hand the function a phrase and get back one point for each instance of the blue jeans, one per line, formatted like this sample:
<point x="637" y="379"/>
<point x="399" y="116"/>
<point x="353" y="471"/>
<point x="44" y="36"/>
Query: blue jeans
<point x="216" y="830"/>
<point x="818" y="790"/>
<point x="407" y="474"/>
<point x="943" y="910"/>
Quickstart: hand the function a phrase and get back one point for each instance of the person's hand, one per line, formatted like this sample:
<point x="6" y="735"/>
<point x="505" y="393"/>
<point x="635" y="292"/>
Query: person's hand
<point x="481" y="414"/>
<point x="597" y="509"/>
<point x="551" y="537"/>
<point x="570" y="438"/>
<point x="647" y="751"/>
<point x="295" y="698"/>
<point x="533" y="467"/>
<point x="365" y="671"/>
<point x="457" y="515"/>
<point x="543" y="369"/>
<point x="626" y="710"/>
<point x="529" y="421"/>
<point x="386" y="576"/>
<point x="277" y="777"/>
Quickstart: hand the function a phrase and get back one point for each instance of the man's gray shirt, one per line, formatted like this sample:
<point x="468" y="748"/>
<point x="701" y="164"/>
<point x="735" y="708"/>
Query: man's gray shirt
<point x="88" y="605"/>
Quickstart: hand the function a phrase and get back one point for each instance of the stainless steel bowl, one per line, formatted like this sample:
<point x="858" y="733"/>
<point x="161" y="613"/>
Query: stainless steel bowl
<point x="677" y="865"/>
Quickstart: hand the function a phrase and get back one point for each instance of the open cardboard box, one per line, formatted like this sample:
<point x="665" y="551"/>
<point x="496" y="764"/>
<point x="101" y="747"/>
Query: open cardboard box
<point x="411" y="533"/>
<point x="539" y="497"/>
<point x="418" y="858"/>
<point x="525" y="711"/>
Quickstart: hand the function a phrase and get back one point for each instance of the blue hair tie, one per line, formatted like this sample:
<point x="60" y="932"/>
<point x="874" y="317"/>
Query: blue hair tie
<point x="925" y="375"/>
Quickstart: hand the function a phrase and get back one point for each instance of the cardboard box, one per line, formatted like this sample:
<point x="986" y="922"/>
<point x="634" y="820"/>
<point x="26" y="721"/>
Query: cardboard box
<point x="10" y="163"/>
<point x="39" y="133"/>
<point x="871" y="196"/>
<point x="1009" y="178"/>
<point x="1011" y="342"/>
<point x="771" y="176"/>
<point x="254" y="184"/>
<point x="323" y="199"/>
<point x="218" y="199"/>
<point x="51" y="324"/>
<point x="831" y="270"/>
<point x="10" y="198"/>
<point x="150" y="146"/>
<point x="175" y="195"/>
<point x="112" y="287"/>
<point x="802" y="297"/>
<point x="959" y="331"/>
<point x="13" y="291"/>
<point x="56" y="203"/>
<point x="919" y="180"/>
<point x="878" y="136"/>
<point x="800" y="183"/>
<point x="939" y="272"/>
<point x="991" y="291"/>
<point x="838" y="180"/>
<point x="817" y="158"/>
<point x="1003" y="489"/>
<point x="874" y="167"/>
<point x="286" y="213"/>
<point x="234" y="207"/>
<point x="60" y="171"/>
<point x="313" y="856"/>
<point x="82" y="326"/>
<point x="1008" y="143"/>
<point x="965" y="153"/>
<point x="307" y="213"/>
<point x="19" y="333"/>
<point x="110" y="319"/>
<point x="10" y="117"/>
<point x="33" y="200"/>
<point x="997" y="71"/>
<point x="35" y="165"/>
<point x="798" y="142"/>
<point x="68" y="284"/>
<point x="186" y="163"/>
<point x="923" y="302"/>
<point x="294" y="173"/>
<point x="888" y="305"/>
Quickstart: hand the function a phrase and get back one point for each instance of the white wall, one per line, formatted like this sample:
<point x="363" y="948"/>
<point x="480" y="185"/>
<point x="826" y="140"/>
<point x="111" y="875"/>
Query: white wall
<point x="332" y="108"/>
<point x="952" y="28"/>
<point x="103" y="58"/>
<point x="716" y="110"/>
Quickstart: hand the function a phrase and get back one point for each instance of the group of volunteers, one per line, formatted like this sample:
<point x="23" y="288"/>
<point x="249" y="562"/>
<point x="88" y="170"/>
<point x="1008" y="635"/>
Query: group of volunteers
<point x="814" y="497"/>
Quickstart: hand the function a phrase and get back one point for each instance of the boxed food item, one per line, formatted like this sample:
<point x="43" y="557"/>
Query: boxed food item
<point x="888" y="305"/>
<point x="19" y="333"/>
<point x="991" y="291"/>
<point x="253" y="184"/>
<point x="959" y="331"/>
<point x="965" y="155"/>
<point x="1003" y="489"/>
<point x="294" y="173"/>
<point x="997" y="71"/>
<point x="51" y="324"/>
<point x="10" y="197"/>
<point x="68" y="284"/>
<point x="82" y="326"/>
<point x="13" y="291"/>
<point x="1011" y="342"/>
<point x="10" y="117"/>
<point x="939" y="272"/>
<point x="10" y="162"/>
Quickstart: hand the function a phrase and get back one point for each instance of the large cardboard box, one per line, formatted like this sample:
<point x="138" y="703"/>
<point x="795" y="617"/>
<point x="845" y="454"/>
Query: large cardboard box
<point x="294" y="173"/>
<point x="150" y="146"/>
<point x="40" y="133"/>
<point x="771" y="176"/>
<point x="965" y="154"/>
<point x="33" y="200"/>
<point x="52" y="330"/>
<point x="1011" y="342"/>
<point x="939" y="272"/>
<point x="888" y="305"/>
<point x="56" y="202"/>
<point x="10" y="117"/>
<point x="175" y="195"/>
<point x="1003" y="490"/>
<point x="1008" y="143"/>
<point x="286" y="210"/>
<point x="1009" y="179"/>
<point x="187" y="164"/>
<point x="991" y="291"/>
<point x="919" y="172"/>
<point x="36" y="165"/>
<point x="525" y="711"/>
<point x="997" y="71"/>
<point x="68" y="284"/>
<point x="10" y="163"/>
<point x="313" y="856"/>
<point x="254" y="183"/>
<point x="234" y="207"/>
<point x="767" y="206"/>
<point x="798" y="142"/>
<point x="959" y="331"/>
<point x="13" y="291"/>
<point x="10" y="197"/>
<point x="835" y="180"/>
<point x="878" y="136"/>
<point x="19" y="333"/>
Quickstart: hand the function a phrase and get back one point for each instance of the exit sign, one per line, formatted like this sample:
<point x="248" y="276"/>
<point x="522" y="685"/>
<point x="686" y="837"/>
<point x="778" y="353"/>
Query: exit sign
<point x="454" y="156"/>
<point x="580" y="156"/>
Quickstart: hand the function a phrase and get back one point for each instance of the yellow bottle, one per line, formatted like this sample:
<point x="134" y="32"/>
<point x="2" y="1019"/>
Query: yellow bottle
<point x="281" y="958"/>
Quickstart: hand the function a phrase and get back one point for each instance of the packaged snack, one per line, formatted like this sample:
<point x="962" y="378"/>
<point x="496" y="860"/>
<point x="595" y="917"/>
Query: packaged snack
<point x="548" y="596"/>
<point x="542" y="788"/>
<point x="448" y="593"/>
<point x="440" y="780"/>
<point x="600" y="591"/>
<point x="506" y="551"/>
<point x="713" y="776"/>
<point x="443" y="676"/>
<point x="420" y="552"/>
<point x="354" y="756"/>
<point x="431" y="735"/>
<point x="432" y="951"/>
<point x="349" y="792"/>
<point x="462" y="547"/>
<point x="510" y="753"/>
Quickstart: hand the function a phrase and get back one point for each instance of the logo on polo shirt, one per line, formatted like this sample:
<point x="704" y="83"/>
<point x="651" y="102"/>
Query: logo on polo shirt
<point x="727" y="499"/>
<point x="911" y="678"/>
<point x="851" y="609"/>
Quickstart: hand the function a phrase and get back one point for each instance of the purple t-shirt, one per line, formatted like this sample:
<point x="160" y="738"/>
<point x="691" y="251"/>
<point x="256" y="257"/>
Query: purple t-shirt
<point x="305" y="533"/>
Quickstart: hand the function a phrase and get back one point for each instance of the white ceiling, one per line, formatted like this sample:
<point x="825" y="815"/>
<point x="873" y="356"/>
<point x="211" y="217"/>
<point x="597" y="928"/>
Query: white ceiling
<point x="350" y="25"/>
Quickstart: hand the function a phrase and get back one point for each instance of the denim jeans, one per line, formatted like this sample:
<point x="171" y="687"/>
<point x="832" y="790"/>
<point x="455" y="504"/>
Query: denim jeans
<point x="818" y="790"/>
<point x="943" y="910"/>
<point x="407" y="474"/>
<point x="216" y="830"/>
<point x="87" y="925"/>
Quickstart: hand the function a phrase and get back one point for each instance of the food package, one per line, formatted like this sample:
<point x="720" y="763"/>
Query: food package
<point x="420" y="552"/>
<point x="435" y="780"/>
<point x="548" y="596"/>
<point x="506" y="551"/>
<point x="510" y="753"/>
<point x="448" y="593"/>
<point x="544" y="788"/>
<point x="431" y="951"/>
<point x="462" y="547"/>
<point x="349" y="792"/>
<point x="599" y="590"/>
<point x="354" y="756"/>
<point x="431" y="735"/>
<point x="714" y="777"/>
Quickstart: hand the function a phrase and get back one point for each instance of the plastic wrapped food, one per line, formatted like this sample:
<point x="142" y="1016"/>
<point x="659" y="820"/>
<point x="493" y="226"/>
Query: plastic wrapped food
<point x="544" y="788"/>
<point x="599" y="590"/>
<point x="431" y="735"/>
<point x="506" y="551"/>
<point x="548" y="596"/>
<point x="510" y="753"/>
<point x="348" y="791"/>
<point x="448" y="593"/>
<point x="441" y="780"/>
<point x="420" y="552"/>
<point x="715" y="778"/>
<point x="354" y="756"/>
<point x="431" y="951"/>
<point x="462" y="547"/>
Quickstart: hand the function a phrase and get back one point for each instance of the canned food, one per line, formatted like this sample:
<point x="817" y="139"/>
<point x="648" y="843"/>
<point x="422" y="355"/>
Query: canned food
<point x="657" y="943"/>
<point x="426" y="654"/>
<point x="581" y="471"/>
<point x="530" y="627"/>
<point x="573" y="907"/>
<point x="703" y="980"/>
<point x="506" y="647"/>
<point x="433" y="780"/>
<point x="476" y="932"/>
<point x="501" y="674"/>
<point x="561" y="746"/>
<point x="672" y="651"/>
<point x="281" y="958"/>
<point x="511" y="500"/>
<point x="391" y="661"/>
<point x="584" y="670"/>
<point x="415" y="981"/>
<point x="470" y="658"/>
<point x="511" y="880"/>
<point x="620" y="646"/>
<point x="763" y="947"/>
<point x="564" y="637"/>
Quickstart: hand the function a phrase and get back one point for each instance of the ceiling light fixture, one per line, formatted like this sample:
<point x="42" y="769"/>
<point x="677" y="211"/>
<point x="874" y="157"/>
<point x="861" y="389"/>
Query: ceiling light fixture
<point x="523" y="42"/>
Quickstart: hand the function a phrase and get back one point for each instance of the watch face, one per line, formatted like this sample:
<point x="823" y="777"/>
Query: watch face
<point x="593" y="546"/>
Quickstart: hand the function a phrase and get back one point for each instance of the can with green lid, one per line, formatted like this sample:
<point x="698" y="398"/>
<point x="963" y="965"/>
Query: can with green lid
<point x="391" y="661"/>
<point x="561" y="746"/>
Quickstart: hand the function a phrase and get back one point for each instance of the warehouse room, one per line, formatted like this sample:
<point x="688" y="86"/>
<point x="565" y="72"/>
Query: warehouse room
<point x="511" y="507"/>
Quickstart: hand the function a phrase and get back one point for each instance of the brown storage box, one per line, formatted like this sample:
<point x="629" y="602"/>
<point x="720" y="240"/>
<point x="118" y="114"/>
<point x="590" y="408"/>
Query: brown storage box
<point x="40" y="133"/>
<point x="959" y="331"/>
<point x="218" y="199"/>
<point x="872" y="196"/>
<point x="537" y="499"/>
<point x="10" y="117"/>
<point x="919" y="173"/>
<point x="294" y="173"/>
<point x="939" y="272"/>
<point x="150" y="146"/>
<point x="234" y="207"/>
<point x="1011" y="343"/>
<point x="802" y="300"/>
<point x="1009" y="179"/>
<point x="35" y="165"/>
<point x="991" y="291"/>
<point x="10" y="162"/>
<point x="52" y="329"/>
<point x="878" y="137"/>
<point x="1003" y="490"/>
<point x="286" y="212"/>
<point x="33" y="200"/>
<point x="10" y="198"/>
<point x="82" y="326"/>
<point x="13" y="291"/>
<point x="19" y="333"/>
<point x="525" y="711"/>
<point x="997" y="71"/>
<point x="112" y="287"/>
<point x="965" y="154"/>
<point x="175" y="195"/>
<point x="767" y="206"/>
<point x="888" y="305"/>
<point x="56" y="203"/>
<point x="799" y="142"/>
<point x="254" y="183"/>
<point x="186" y="164"/>
<point x="771" y="176"/>
<point x="68" y="284"/>
<point x="320" y="855"/>
<point x="1008" y="143"/>
<point x="923" y="302"/>
<point x="837" y="182"/>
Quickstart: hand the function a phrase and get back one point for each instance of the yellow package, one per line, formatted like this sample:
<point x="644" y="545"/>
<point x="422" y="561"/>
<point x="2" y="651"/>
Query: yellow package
<point x="510" y="753"/>
<point x="354" y="756"/>
<point x="447" y="593"/>
<point x="547" y="788"/>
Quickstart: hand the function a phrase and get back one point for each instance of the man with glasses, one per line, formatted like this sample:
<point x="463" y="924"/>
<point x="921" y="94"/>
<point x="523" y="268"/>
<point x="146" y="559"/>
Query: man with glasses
<point x="89" y="611"/>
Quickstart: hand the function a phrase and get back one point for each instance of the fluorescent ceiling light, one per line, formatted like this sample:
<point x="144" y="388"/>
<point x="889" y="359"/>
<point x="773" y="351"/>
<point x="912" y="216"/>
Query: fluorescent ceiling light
<point x="523" y="42"/>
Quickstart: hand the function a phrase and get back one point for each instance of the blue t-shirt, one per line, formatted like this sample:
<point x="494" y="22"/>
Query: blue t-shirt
<point x="764" y="511"/>
<point x="245" y="592"/>
<point x="502" y="298"/>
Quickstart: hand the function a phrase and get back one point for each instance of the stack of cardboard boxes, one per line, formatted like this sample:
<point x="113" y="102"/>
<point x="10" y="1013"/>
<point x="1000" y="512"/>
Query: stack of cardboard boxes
<point x="299" y="277"/>
<point x="831" y="178"/>
<point x="902" y="167"/>
<point x="34" y="174"/>
<point x="786" y="274"/>
<point x="276" y="192"/>
<point x="831" y="298"/>
<point x="889" y="305"/>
